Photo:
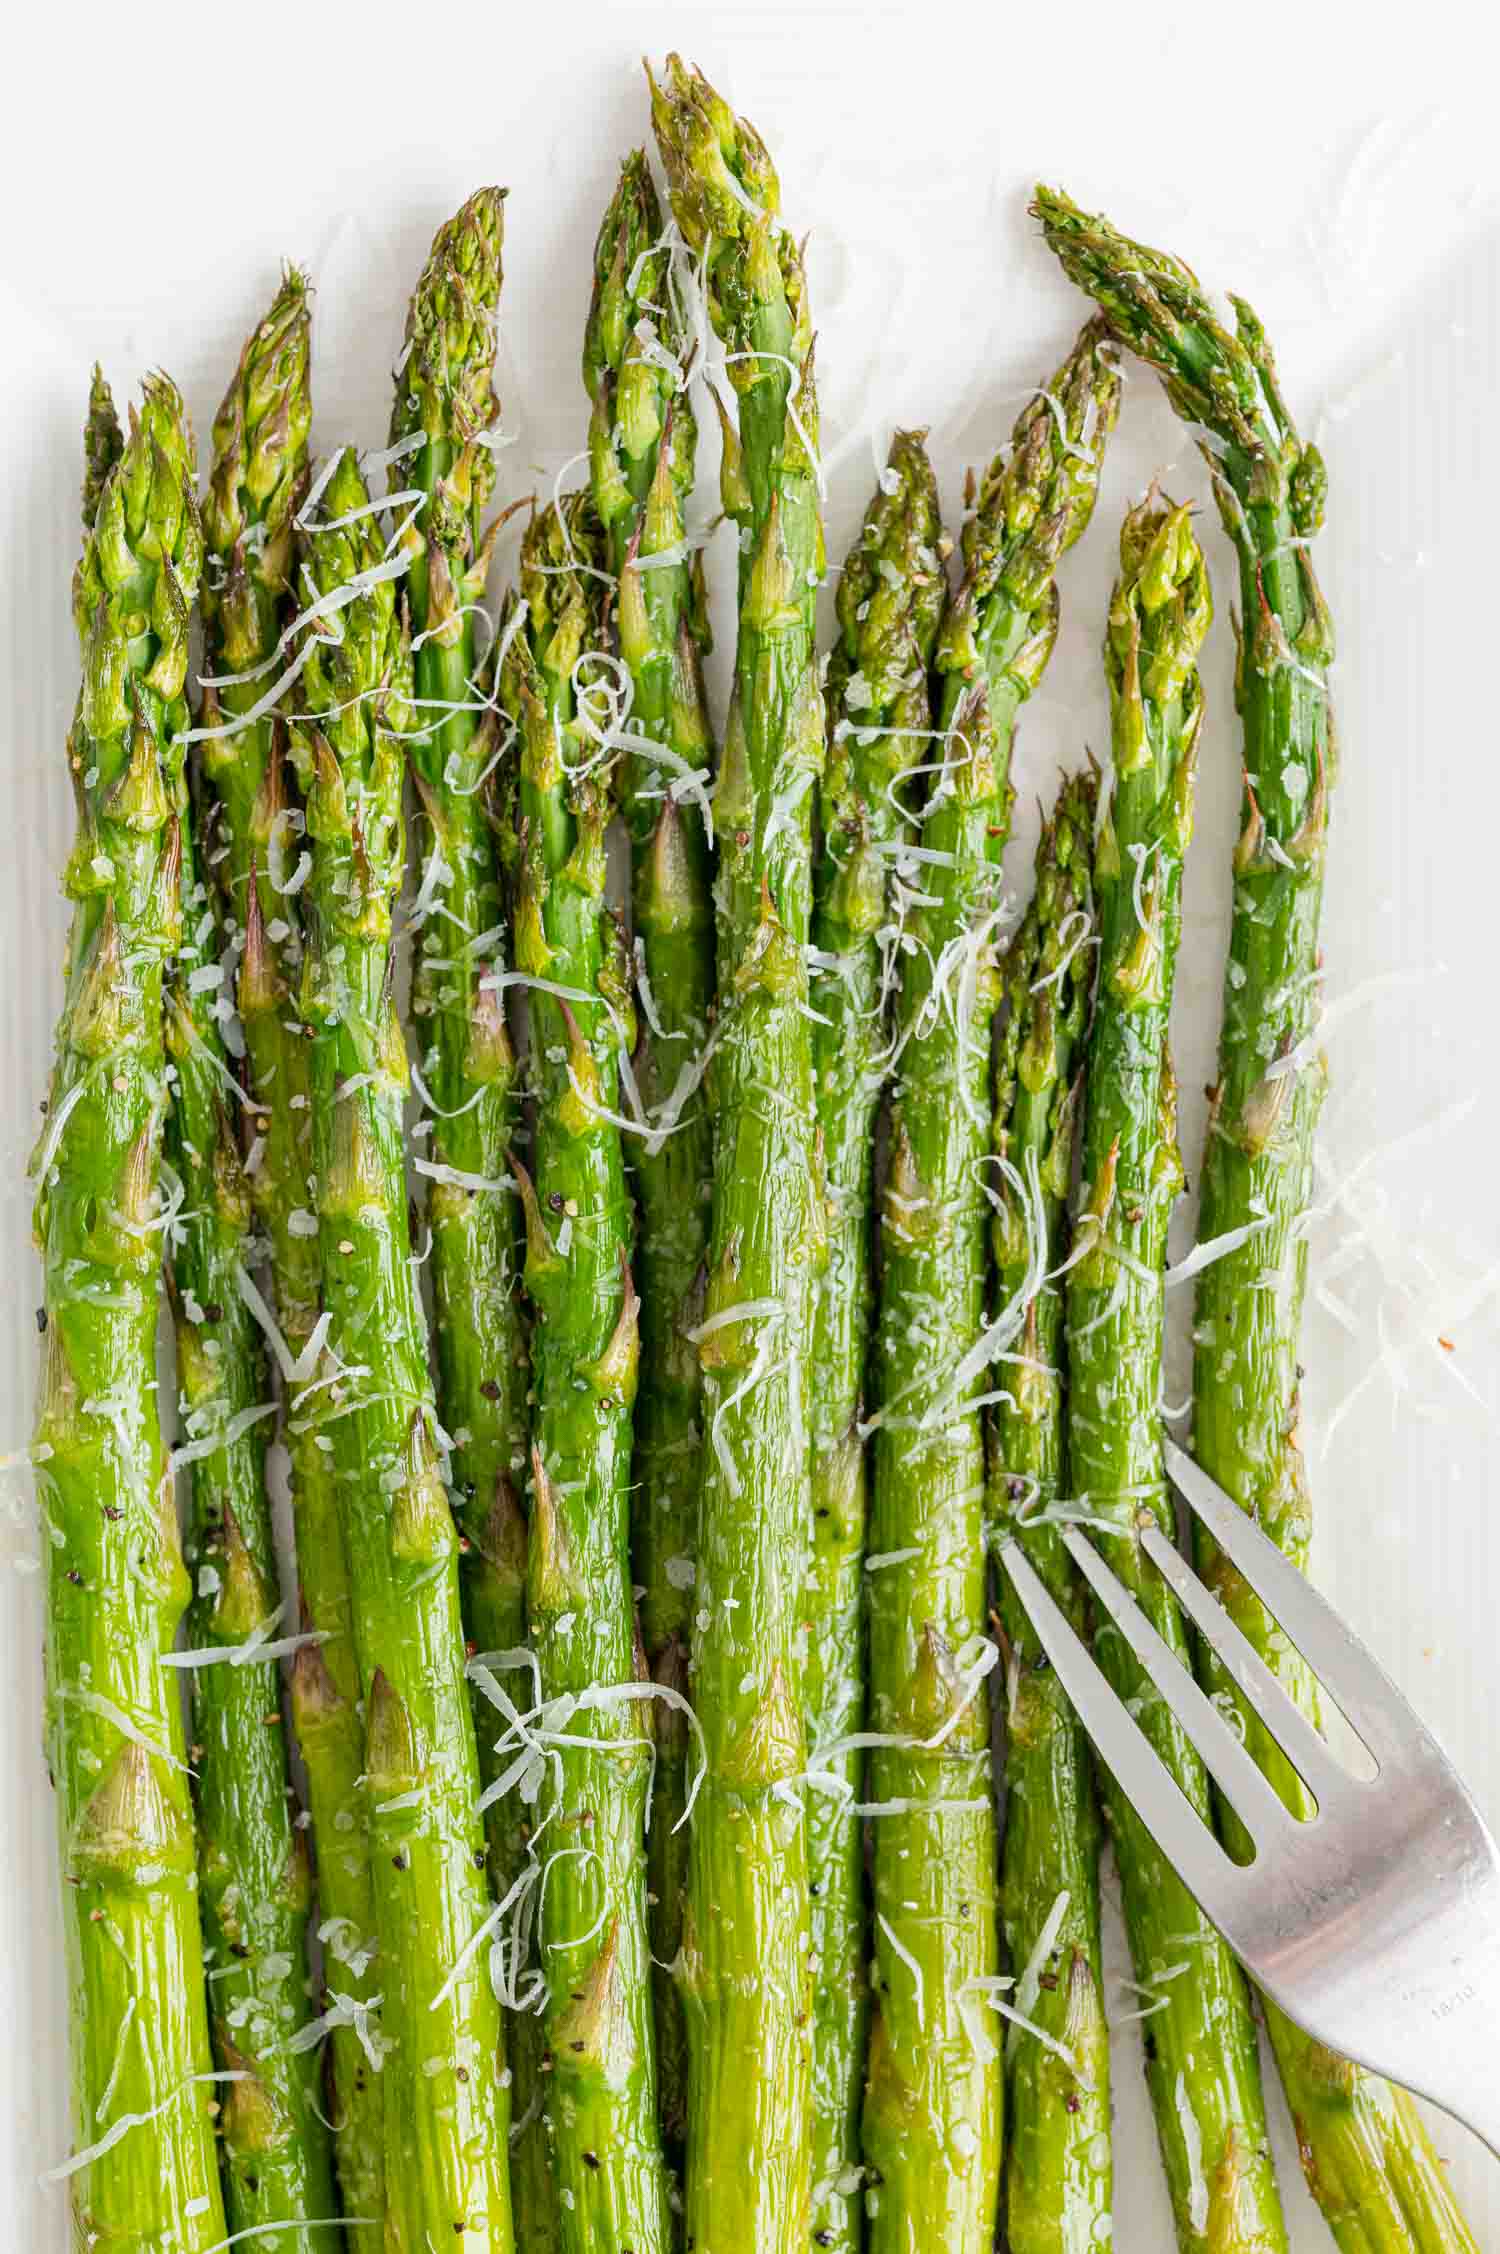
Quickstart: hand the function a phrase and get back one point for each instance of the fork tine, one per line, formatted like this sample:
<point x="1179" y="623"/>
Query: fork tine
<point x="1324" y="1775"/>
<point x="1218" y="1885"/>
<point x="1259" y="1808"/>
<point x="1358" y="1685"/>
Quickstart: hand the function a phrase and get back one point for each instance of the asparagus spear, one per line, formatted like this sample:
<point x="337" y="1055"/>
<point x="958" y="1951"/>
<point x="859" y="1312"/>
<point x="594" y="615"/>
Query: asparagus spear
<point x="439" y="2039"/>
<point x="258" y="479"/>
<point x="744" y="1959"/>
<point x="145" y="2170"/>
<point x="642" y="440"/>
<point x="254" y="1881"/>
<point x="933" y="2105"/>
<point x="1057" y="2169"/>
<point x="445" y="399"/>
<point x="1200" y="2041"/>
<point x="445" y="413"/>
<point x="601" y="2101"/>
<point x="890" y="600"/>
<point x="1366" y="2154"/>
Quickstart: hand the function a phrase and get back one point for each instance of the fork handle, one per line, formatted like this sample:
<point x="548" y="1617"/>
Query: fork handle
<point x="1421" y="2008"/>
<point x="1464" y="2078"/>
<point x="1442" y="2021"/>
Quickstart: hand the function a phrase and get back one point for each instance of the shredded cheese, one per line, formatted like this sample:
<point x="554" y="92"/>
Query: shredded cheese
<point x="89" y="2153"/>
<point x="919" y="1984"/>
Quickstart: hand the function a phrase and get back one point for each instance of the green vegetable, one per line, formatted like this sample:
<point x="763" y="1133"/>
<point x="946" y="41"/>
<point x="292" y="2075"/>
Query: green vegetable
<point x="642" y="441"/>
<point x="600" y="2104"/>
<point x="256" y="486"/>
<point x="439" y="2038"/>
<point x="1368" y="2159"/>
<point x="445" y="398"/>
<point x="933" y="2107"/>
<point x="254" y="1881"/>
<point x="1057" y="2162"/>
<point x="745" y="1970"/>
<point x="890" y="600"/>
<point x="116" y="1587"/>
<point x="445" y="395"/>
<point x="1200" y="2042"/>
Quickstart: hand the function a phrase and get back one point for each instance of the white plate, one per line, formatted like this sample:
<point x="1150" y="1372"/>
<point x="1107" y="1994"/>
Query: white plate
<point x="150" y="195"/>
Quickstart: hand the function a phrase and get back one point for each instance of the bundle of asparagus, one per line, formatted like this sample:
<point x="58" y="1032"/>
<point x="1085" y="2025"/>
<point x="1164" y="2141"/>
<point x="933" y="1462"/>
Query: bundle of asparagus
<point x="712" y="1898"/>
<point x="1366" y="2154"/>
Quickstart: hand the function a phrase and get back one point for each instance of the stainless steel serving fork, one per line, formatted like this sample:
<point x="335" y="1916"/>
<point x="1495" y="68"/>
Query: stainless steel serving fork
<point x="1375" y="1923"/>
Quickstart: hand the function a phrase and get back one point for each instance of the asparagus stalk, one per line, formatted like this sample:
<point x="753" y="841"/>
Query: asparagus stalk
<point x="1367" y="2157"/>
<point x="145" y="2170"/>
<point x="1057" y="2165"/>
<point x="254" y="1881"/>
<point x="744" y="1960"/>
<point x="890" y="601"/>
<point x="1200" y="2042"/>
<point x="642" y="440"/>
<point x="257" y="482"/>
<point x="445" y="399"/>
<point x="933" y="2107"/>
<point x="601" y="2096"/>
<point x="439" y="2039"/>
<point x="445" y="412"/>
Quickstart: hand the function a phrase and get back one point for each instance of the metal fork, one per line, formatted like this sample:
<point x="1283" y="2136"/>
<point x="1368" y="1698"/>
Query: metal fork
<point x="1375" y="1923"/>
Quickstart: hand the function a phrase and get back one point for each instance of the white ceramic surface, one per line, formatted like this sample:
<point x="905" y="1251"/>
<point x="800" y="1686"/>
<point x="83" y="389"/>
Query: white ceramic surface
<point x="153" y="180"/>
